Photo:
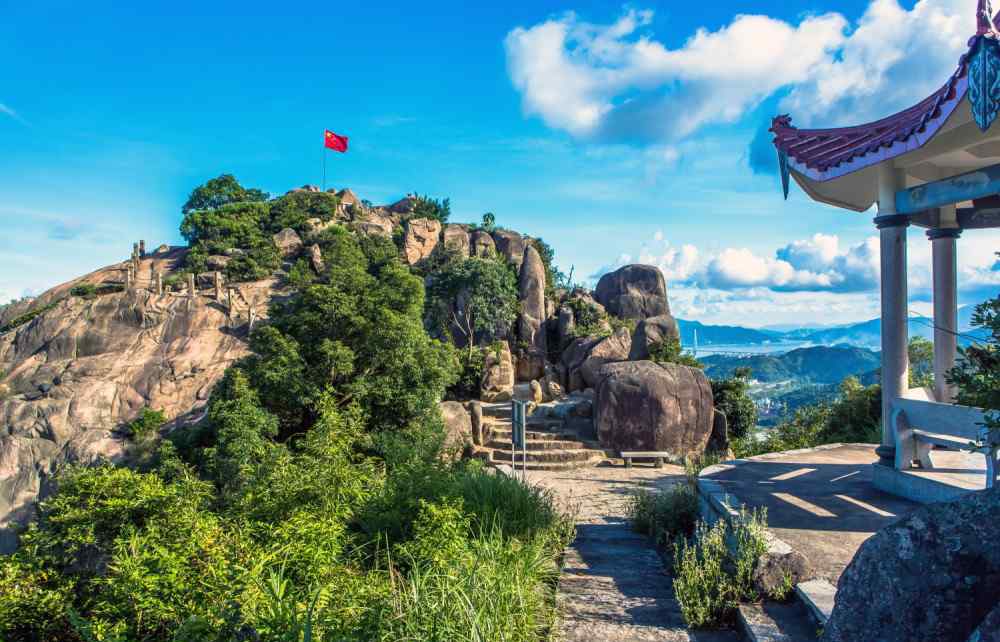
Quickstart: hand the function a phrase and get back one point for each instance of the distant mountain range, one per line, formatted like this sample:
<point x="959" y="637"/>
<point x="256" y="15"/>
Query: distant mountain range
<point x="813" y="365"/>
<point x="867" y="334"/>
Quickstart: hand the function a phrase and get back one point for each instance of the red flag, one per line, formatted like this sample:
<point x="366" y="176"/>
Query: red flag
<point x="336" y="142"/>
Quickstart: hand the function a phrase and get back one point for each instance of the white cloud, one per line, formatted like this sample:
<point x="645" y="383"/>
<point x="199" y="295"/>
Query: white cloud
<point x="616" y="82"/>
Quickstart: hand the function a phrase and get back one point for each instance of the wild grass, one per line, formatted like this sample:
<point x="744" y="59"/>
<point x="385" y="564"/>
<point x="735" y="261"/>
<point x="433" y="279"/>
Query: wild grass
<point x="665" y="515"/>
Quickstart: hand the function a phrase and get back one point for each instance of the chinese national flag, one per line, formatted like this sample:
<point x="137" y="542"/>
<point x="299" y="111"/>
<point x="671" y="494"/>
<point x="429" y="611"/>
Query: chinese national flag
<point x="336" y="142"/>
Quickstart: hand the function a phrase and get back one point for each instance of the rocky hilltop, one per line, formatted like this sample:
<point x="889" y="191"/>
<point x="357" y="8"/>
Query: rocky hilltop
<point x="159" y="330"/>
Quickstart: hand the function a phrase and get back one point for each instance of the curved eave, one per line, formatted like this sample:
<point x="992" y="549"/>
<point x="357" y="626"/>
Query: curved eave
<point x="914" y="141"/>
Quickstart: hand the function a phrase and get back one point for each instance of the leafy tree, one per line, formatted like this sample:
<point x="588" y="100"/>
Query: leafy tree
<point x="427" y="207"/>
<point x="733" y="400"/>
<point x="669" y="351"/>
<point x="219" y="191"/>
<point x="489" y="221"/>
<point x="977" y="373"/>
<point x="921" y="356"/>
<point x="295" y="208"/>
<point x="476" y="297"/>
<point x="235" y="230"/>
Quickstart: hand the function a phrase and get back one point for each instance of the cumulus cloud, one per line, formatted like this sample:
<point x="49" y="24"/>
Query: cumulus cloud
<point x="616" y="82"/>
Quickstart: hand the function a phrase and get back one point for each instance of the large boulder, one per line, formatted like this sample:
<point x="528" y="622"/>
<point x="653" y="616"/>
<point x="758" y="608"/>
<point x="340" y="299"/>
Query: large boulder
<point x="565" y="327"/>
<point x="498" y="375"/>
<point x="457" y="426"/>
<point x="456" y="237"/>
<point x="641" y="405"/>
<point x="375" y="224"/>
<point x="650" y="332"/>
<point x="316" y="259"/>
<point x="610" y="349"/>
<point x="288" y="242"/>
<point x="481" y="243"/>
<point x="572" y="359"/>
<point x="530" y="324"/>
<point x="933" y="575"/>
<point x="511" y="245"/>
<point x="421" y="239"/>
<point x="633" y="292"/>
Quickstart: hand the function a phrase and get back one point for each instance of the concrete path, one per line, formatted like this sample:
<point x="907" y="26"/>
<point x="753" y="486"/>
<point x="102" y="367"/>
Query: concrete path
<point x="614" y="586"/>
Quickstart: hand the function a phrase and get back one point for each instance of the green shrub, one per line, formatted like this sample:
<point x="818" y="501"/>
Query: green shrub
<point x="713" y="572"/>
<point x="146" y="424"/>
<point x="665" y="515"/>
<point x="293" y="210"/>
<point x="669" y="351"/>
<point x="28" y="316"/>
<point x="472" y="363"/>
<point x="84" y="290"/>
<point x="732" y="400"/>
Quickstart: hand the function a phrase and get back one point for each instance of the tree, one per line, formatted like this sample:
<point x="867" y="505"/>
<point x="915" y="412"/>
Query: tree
<point x="220" y="191"/>
<point x="489" y="221"/>
<point x="475" y="296"/>
<point x="921" y="356"/>
<point x="977" y="373"/>
<point x="427" y="207"/>
<point x="732" y="399"/>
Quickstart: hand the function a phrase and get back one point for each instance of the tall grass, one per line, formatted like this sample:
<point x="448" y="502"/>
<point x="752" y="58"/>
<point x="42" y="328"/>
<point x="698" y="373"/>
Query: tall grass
<point x="665" y="515"/>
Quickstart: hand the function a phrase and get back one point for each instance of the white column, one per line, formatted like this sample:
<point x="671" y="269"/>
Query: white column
<point x="945" y="307"/>
<point x="895" y="361"/>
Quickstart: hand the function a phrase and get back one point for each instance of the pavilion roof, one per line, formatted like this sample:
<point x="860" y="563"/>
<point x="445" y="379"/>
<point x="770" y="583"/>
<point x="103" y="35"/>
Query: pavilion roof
<point x="824" y="154"/>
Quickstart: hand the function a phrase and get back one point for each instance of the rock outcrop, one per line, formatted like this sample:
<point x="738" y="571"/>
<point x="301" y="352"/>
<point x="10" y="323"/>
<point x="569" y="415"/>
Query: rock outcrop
<point x="510" y="245"/>
<point x="641" y="405"/>
<point x="481" y="243"/>
<point x="375" y="225"/>
<point x="530" y="323"/>
<point x="610" y="349"/>
<point x="933" y="575"/>
<point x="421" y="239"/>
<point x="79" y="372"/>
<point x="650" y="332"/>
<point x="288" y="242"/>
<point x="456" y="237"/>
<point x="633" y="292"/>
<point x="498" y="375"/>
<point x="457" y="426"/>
<point x="316" y="259"/>
<point x="572" y="359"/>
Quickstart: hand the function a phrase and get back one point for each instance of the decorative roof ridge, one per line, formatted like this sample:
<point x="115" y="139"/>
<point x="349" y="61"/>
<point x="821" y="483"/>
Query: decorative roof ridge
<point x="986" y="21"/>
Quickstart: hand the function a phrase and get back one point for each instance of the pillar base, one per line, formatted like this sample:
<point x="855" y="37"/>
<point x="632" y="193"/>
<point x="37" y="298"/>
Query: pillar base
<point x="886" y="455"/>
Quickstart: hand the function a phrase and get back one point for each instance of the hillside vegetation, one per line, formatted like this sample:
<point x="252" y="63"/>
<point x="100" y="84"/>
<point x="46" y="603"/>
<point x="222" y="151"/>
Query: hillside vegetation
<point x="815" y="365"/>
<point x="317" y="499"/>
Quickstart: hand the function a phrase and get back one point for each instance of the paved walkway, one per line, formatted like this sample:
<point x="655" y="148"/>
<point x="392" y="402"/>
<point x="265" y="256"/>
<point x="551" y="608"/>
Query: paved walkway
<point x="821" y="502"/>
<point x="614" y="586"/>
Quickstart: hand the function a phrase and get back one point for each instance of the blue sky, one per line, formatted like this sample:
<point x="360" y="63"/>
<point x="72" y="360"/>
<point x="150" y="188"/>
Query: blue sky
<point x="617" y="133"/>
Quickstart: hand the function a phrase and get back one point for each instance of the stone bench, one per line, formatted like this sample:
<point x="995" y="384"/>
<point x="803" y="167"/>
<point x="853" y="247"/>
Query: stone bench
<point x="920" y="425"/>
<point x="657" y="456"/>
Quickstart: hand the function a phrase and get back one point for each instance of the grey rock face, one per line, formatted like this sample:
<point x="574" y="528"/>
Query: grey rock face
<point x="481" y="243"/>
<point x="531" y="331"/>
<point x="773" y="569"/>
<point x="421" y="239"/>
<point x="316" y="259"/>
<point x="288" y="242"/>
<point x="650" y="332"/>
<point x="375" y="225"/>
<point x="511" y="245"/>
<point x="933" y="575"/>
<point x="608" y="350"/>
<point x="641" y="405"/>
<point x="457" y="425"/>
<point x="457" y="237"/>
<point x="633" y="292"/>
<point x="572" y="359"/>
<point x="498" y="376"/>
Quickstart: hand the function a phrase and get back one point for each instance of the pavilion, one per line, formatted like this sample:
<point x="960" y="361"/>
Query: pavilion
<point x="935" y="165"/>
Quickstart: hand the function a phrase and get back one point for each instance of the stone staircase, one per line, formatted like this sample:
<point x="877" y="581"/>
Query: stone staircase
<point x="548" y="445"/>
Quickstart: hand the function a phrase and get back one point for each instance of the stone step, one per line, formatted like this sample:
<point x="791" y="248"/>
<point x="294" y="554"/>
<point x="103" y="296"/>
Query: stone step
<point x="817" y="596"/>
<point x="537" y="444"/>
<point x="533" y="435"/>
<point x="774" y="622"/>
<point x="534" y="465"/>
<point x="548" y="456"/>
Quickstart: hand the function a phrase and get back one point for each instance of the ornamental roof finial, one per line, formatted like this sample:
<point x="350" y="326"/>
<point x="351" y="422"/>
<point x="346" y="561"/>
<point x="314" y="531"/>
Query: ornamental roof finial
<point x="984" y="18"/>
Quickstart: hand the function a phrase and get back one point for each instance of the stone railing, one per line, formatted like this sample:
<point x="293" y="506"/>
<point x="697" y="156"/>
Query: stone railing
<point x="921" y="425"/>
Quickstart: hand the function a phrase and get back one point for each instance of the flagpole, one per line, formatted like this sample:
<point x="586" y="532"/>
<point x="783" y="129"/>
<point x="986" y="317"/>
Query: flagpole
<point x="324" y="168"/>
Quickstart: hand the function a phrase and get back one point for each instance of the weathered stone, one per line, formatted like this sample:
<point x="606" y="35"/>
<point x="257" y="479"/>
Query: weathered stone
<point x="163" y="249"/>
<point x="531" y="331"/>
<point x="457" y="426"/>
<point x="481" y="243"/>
<point x="510" y="245"/>
<point x="933" y="575"/>
<point x="316" y="258"/>
<point x="347" y="197"/>
<point x="288" y="242"/>
<point x="719" y="441"/>
<point x="404" y="205"/>
<point x="777" y="571"/>
<point x="375" y="225"/>
<point x="565" y="327"/>
<point x="553" y="389"/>
<point x="217" y="262"/>
<point x="498" y="375"/>
<point x="529" y="364"/>
<point x="650" y="332"/>
<point x="573" y="357"/>
<point x="476" y="415"/>
<point x="633" y="292"/>
<point x="314" y="226"/>
<point x="641" y="405"/>
<point x="536" y="392"/>
<point x="608" y="350"/>
<point x="421" y="239"/>
<point x="457" y="237"/>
